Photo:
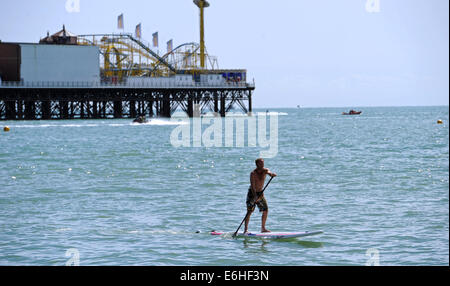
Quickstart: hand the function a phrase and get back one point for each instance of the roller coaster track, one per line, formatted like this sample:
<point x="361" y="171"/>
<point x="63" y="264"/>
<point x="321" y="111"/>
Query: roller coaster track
<point x="138" y="42"/>
<point x="197" y="46"/>
<point x="160" y="60"/>
<point x="145" y="47"/>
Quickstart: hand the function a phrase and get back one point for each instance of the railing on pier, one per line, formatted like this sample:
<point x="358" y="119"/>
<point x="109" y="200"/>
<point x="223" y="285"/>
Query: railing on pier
<point x="156" y="84"/>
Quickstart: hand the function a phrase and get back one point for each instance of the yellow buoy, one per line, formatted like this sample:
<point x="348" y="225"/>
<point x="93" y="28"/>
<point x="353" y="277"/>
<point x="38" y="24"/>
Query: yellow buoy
<point x="6" y="129"/>
<point x="439" y="121"/>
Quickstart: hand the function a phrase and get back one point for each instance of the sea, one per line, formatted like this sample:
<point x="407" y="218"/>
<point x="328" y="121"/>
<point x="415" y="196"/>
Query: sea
<point x="110" y="192"/>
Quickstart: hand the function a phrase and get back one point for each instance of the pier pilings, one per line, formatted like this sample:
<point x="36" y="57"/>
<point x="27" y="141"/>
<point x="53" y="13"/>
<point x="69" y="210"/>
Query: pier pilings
<point x="20" y="103"/>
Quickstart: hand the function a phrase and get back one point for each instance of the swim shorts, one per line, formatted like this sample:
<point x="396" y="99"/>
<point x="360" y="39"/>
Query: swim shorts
<point x="262" y="203"/>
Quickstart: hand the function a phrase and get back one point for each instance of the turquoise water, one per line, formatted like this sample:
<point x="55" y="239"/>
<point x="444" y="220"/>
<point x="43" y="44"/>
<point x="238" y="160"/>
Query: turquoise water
<point x="121" y="194"/>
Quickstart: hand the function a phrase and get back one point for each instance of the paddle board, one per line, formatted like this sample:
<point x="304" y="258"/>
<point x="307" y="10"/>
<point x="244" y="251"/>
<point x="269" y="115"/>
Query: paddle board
<point x="270" y="234"/>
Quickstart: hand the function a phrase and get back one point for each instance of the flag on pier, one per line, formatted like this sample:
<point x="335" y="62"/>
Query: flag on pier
<point x="120" y="22"/>
<point x="138" y="31"/>
<point x="169" y="46"/>
<point x="155" y="39"/>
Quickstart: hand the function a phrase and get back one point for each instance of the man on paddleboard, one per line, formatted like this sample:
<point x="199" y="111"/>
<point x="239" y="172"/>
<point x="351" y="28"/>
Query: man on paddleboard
<point x="254" y="196"/>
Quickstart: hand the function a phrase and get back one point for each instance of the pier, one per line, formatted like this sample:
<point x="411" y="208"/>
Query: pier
<point x="72" y="100"/>
<point x="66" y="76"/>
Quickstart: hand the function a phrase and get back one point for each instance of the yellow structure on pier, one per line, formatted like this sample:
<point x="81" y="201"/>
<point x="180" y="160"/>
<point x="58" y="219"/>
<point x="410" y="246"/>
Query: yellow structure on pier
<point x="201" y="5"/>
<point x="123" y="55"/>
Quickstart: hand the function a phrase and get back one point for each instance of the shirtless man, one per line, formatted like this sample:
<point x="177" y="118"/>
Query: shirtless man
<point x="257" y="178"/>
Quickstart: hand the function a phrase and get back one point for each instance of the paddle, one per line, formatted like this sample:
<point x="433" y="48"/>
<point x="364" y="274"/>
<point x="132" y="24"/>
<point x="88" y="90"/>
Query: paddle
<point x="235" y="233"/>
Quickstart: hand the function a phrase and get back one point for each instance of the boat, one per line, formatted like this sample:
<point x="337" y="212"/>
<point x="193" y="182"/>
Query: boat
<point x="352" y="112"/>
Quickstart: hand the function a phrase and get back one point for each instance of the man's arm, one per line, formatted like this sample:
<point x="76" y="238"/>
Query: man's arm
<point x="270" y="173"/>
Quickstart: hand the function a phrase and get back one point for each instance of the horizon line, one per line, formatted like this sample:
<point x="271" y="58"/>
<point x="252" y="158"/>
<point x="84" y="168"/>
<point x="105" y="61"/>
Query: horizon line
<point x="355" y="106"/>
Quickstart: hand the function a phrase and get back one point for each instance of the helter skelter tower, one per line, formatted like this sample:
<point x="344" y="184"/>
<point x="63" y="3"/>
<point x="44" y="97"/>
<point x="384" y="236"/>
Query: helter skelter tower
<point x="201" y="5"/>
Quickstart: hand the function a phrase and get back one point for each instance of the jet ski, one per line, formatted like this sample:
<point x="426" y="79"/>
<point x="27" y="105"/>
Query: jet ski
<point x="140" y="119"/>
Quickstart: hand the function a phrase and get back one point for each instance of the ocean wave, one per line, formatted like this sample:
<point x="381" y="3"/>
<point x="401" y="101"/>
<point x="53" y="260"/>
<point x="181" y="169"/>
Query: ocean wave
<point x="158" y="122"/>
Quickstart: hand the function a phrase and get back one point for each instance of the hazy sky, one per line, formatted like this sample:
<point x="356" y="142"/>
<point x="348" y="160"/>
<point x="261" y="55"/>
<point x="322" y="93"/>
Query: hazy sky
<point x="300" y="52"/>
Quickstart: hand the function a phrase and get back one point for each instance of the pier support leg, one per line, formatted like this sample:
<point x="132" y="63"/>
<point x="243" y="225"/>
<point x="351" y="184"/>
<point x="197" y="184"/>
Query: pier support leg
<point x="94" y="109"/>
<point x="250" y="102"/>
<point x="190" y="107"/>
<point x="19" y="106"/>
<point x="72" y="110"/>
<point x="10" y="110"/>
<point x="103" y="112"/>
<point x="166" y="105"/>
<point x="46" y="110"/>
<point x="222" y="105"/>
<point x="2" y="108"/>
<point x="132" y="109"/>
<point x="88" y="109"/>
<point x="63" y="110"/>
<point x="117" y="109"/>
<point x="30" y="110"/>
<point x="82" y="113"/>
<point x="216" y="103"/>
<point x="150" y="108"/>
